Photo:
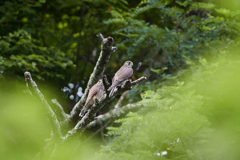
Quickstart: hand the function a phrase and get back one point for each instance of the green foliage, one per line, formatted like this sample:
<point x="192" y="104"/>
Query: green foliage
<point x="187" y="113"/>
<point x="173" y="34"/>
<point x="25" y="131"/>
<point x="19" y="53"/>
<point x="158" y="33"/>
<point x="63" y="43"/>
<point x="194" y="116"/>
<point x="23" y="127"/>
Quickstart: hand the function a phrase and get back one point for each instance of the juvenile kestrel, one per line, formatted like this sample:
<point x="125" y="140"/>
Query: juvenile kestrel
<point x="122" y="74"/>
<point x="96" y="92"/>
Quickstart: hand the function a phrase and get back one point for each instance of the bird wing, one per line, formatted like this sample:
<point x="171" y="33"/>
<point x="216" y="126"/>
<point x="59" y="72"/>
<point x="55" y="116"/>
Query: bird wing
<point x="92" y="92"/>
<point x="122" y="74"/>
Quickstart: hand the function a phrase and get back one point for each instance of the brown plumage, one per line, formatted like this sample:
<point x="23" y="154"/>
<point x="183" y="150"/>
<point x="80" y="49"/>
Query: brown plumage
<point x="120" y="76"/>
<point x="96" y="92"/>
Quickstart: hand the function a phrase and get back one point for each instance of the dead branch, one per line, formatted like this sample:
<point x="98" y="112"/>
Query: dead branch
<point x="138" y="80"/>
<point x="121" y="99"/>
<point x="113" y="114"/>
<point x="64" y="116"/>
<point x="106" y="84"/>
<point x="87" y="118"/>
<point x="106" y="50"/>
<point x="100" y="129"/>
<point x="32" y="86"/>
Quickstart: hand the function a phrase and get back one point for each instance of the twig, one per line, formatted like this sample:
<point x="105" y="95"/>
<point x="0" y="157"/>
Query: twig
<point x="78" y="126"/>
<point x="106" y="51"/>
<point x="64" y="116"/>
<point x="81" y="125"/>
<point x="138" y="80"/>
<point x="105" y="125"/>
<point x="53" y="118"/>
<point x="113" y="114"/>
<point x="53" y="152"/>
<point x="105" y="83"/>
<point x="44" y="149"/>
<point x="121" y="99"/>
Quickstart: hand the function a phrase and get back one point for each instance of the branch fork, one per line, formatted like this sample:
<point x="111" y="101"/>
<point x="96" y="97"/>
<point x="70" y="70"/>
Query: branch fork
<point x="106" y="50"/>
<point x="86" y="121"/>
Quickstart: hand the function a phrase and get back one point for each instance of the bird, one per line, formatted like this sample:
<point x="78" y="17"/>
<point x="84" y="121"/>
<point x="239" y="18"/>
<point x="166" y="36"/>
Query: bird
<point x="96" y="92"/>
<point x="120" y="76"/>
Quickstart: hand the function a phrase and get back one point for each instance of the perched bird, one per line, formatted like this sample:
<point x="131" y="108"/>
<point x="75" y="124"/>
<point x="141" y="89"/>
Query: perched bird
<point x="96" y="92"/>
<point x="122" y="74"/>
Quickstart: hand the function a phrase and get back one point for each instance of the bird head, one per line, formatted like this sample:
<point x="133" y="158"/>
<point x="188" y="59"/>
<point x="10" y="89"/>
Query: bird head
<point x="100" y="81"/>
<point x="128" y="63"/>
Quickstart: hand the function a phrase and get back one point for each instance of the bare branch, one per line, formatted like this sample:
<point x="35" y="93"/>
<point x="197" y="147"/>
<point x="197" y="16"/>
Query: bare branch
<point x="113" y="114"/>
<point x="64" y="116"/>
<point x="52" y="116"/>
<point x="81" y="125"/>
<point x="127" y="85"/>
<point x="100" y="36"/>
<point x="105" y="125"/>
<point x="86" y="118"/>
<point x="78" y="126"/>
<point x="138" y="80"/>
<point x="121" y="99"/>
<point x="114" y="49"/>
<point x="139" y="65"/>
<point x="106" y="51"/>
<point x="106" y="84"/>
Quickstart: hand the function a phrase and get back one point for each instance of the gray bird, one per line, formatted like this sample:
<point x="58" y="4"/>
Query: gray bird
<point x="122" y="74"/>
<point x="96" y="92"/>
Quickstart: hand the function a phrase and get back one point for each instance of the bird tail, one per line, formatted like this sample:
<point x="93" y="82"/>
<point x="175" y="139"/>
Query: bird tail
<point x="81" y="114"/>
<point x="110" y="88"/>
<point x="113" y="88"/>
<point x="112" y="91"/>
